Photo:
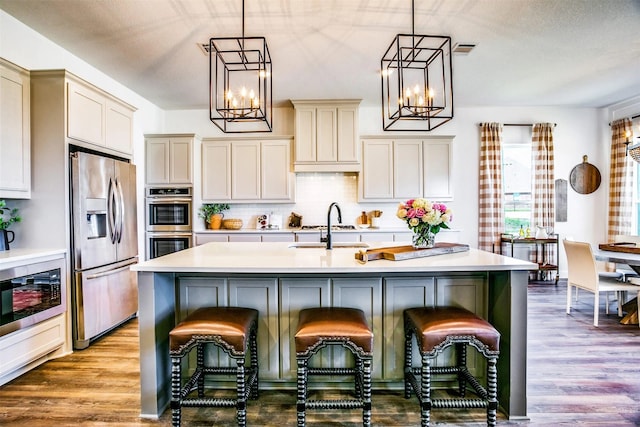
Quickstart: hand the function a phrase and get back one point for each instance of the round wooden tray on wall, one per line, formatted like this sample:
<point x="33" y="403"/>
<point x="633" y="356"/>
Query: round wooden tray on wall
<point x="585" y="177"/>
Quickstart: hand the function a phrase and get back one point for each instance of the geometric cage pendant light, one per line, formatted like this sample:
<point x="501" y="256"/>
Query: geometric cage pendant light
<point x="240" y="91"/>
<point x="417" y="88"/>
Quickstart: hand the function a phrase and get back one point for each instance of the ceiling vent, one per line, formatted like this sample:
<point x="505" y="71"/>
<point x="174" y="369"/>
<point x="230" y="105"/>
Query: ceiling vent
<point x="463" y="49"/>
<point x="204" y="47"/>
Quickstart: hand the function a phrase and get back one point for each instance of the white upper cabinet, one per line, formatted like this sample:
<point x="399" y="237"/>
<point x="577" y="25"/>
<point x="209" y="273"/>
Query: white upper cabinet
<point x="326" y="136"/>
<point x="247" y="170"/>
<point x="275" y="170"/>
<point x="97" y="118"/>
<point x="216" y="170"/>
<point x="399" y="168"/>
<point x="15" y="132"/>
<point x="169" y="159"/>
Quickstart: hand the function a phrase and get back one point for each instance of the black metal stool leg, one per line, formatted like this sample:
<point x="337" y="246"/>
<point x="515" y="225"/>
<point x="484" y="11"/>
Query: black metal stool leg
<point x="176" y="386"/>
<point x="492" y="392"/>
<point x="461" y="356"/>
<point x="241" y="405"/>
<point x="425" y="391"/>
<point x="407" y="362"/>
<point x="302" y="392"/>
<point x="253" y="346"/>
<point x="366" y="392"/>
<point x="200" y="368"/>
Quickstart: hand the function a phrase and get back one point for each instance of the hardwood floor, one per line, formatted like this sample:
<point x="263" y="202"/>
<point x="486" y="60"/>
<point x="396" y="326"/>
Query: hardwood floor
<point x="577" y="374"/>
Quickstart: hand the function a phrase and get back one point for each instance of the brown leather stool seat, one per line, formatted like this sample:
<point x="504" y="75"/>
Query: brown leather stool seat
<point x="347" y="327"/>
<point x="232" y="329"/>
<point x="435" y="329"/>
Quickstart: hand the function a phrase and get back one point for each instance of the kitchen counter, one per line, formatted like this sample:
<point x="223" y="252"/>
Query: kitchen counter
<point x="17" y="257"/>
<point x="269" y="258"/>
<point x="280" y="280"/>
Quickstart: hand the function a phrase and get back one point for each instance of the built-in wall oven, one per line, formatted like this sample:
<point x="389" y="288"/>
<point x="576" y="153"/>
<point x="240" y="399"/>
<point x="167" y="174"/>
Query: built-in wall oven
<point x="159" y="244"/>
<point x="169" y="220"/>
<point x="169" y="209"/>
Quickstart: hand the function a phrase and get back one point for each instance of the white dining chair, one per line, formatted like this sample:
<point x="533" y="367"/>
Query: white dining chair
<point x="583" y="274"/>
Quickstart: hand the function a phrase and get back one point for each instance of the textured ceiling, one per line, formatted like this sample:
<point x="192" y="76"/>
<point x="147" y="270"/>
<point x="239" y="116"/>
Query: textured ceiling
<point x="581" y="53"/>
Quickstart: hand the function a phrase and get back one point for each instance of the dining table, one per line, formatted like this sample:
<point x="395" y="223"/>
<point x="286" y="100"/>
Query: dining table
<point x="623" y="252"/>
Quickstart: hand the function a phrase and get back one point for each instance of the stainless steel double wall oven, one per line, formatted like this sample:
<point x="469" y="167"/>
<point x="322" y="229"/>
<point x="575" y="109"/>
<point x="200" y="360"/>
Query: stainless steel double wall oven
<point x="168" y="220"/>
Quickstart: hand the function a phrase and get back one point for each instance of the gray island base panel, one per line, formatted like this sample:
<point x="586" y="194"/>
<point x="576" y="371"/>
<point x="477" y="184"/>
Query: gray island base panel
<point x="280" y="280"/>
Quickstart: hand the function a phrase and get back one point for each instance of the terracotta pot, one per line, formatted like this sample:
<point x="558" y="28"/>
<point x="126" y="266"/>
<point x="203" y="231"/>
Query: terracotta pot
<point x="215" y="221"/>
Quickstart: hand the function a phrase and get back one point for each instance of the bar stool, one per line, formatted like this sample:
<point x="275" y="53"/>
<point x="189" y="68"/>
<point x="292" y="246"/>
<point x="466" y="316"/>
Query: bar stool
<point x="435" y="329"/>
<point x="320" y="327"/>
<point x="232" y="329"/>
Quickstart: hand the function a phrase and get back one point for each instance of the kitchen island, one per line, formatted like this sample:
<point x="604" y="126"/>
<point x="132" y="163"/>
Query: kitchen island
<point x="279" y="280"/>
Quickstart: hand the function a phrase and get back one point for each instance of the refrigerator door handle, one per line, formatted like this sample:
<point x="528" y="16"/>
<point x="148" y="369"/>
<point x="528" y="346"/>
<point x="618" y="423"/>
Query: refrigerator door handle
<point x="110" y="272"/>
<point x="123" y="214"/>
<point x="120" y="210"/>
<point x="112" y="211"/>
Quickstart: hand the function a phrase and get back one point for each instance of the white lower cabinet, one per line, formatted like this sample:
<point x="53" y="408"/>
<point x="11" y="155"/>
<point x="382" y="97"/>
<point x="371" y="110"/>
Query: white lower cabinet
<point x="20" y="350"/>
<point x="242" y="237"/>
<point x="202" y="238"/>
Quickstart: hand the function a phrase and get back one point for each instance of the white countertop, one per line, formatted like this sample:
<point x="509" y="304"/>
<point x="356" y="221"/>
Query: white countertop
<point x="17" y="257"/>
<point x="308" y="230"/>
<point x="243" y="257"/>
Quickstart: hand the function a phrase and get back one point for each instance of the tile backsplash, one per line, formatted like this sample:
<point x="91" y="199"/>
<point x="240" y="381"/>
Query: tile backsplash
<point x="314" y="193"/>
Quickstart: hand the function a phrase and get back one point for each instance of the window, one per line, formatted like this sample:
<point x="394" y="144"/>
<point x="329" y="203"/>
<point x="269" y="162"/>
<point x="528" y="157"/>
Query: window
<point x="516" y="178"/>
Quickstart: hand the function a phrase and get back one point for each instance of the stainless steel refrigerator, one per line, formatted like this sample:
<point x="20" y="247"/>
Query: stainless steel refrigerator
<point x="104" y="245"/>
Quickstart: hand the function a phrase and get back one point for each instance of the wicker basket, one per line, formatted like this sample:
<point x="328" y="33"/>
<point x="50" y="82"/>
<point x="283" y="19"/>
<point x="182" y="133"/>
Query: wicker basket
<point x="232" y="223"/>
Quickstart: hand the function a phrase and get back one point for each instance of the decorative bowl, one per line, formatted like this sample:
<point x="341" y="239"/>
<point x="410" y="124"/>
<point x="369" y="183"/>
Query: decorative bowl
<point x="232" y="224"/>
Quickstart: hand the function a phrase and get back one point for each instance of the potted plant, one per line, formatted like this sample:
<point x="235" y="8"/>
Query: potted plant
<point x="7" y="217"/>
<point x="212" y="213"/>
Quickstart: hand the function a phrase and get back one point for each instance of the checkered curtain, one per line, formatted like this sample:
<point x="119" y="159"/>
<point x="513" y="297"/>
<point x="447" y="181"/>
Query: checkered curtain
<point x="543" y="186"/>
<point x="620" y="181"/>
<point x="543" y="181"/>
<point x="490" y="204"/>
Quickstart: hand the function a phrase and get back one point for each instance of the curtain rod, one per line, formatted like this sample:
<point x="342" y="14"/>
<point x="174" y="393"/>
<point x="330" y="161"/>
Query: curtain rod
<point x="517" y="124"/>
<point x="632" y="117"/>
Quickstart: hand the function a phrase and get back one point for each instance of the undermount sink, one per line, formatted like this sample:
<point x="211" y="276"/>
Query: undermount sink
<point x="335" y="245"/>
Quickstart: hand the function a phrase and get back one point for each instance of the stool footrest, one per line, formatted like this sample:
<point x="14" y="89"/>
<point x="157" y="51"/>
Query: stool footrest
<point x="208" y="402"/>
<point x="471" y="380"/>
<point x="332" y="371"/>
<point x="458" y="403"/>
<point x="334" y="404"/>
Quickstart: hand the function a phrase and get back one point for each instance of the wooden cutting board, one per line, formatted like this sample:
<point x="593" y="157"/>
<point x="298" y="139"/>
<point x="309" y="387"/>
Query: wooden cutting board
<point x="399" y="253"/>
<point x="585" y="177"/>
